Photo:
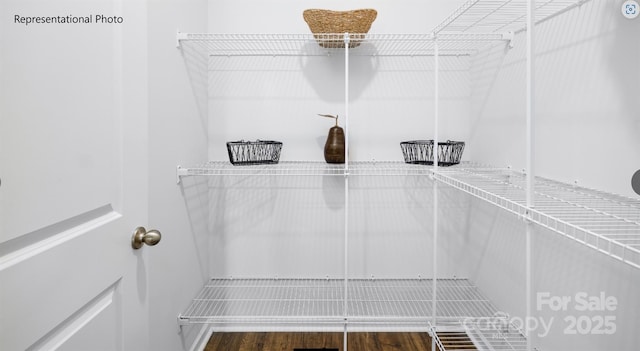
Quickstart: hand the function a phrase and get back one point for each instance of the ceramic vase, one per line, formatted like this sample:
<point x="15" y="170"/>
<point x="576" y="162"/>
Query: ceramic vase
<point x="334" y="147"/>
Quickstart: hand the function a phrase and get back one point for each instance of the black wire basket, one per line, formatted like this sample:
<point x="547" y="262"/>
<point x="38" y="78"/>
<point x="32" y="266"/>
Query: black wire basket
<point x="257" y="152"/>
<point x="421" y="152"/>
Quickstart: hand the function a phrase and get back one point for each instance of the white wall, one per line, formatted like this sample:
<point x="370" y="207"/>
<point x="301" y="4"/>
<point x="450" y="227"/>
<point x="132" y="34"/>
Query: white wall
<point x="178" y="135"/>
<point x="391" y="100"/>
<point x="285" y="16"/>
<point x="293" y="226"/>
<point x="561" y="268"/>
<point x="587" y="80"/>
<point x="566" y="268"/>
<point x="585" y="99"/>
<point x="587" y="83"/>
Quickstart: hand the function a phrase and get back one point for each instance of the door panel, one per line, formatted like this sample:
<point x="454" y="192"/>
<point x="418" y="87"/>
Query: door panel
<point x="60" y="116"/>
<point x="69" y="279"/>
<point x="49" y="285"/>
<point x="96" y="322"/>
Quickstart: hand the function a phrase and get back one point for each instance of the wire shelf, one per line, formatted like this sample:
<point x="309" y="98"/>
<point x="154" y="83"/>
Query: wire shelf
<point x="300" y="168"/>
<point x="496" y="335"/>
<point x="306" y="44"/>
<point x="258" y="301"/>
<point x="499" y="16"/>
<point x="605" y="222"/>
<point x="608" y="223"/>
<point x="473" y="26"/>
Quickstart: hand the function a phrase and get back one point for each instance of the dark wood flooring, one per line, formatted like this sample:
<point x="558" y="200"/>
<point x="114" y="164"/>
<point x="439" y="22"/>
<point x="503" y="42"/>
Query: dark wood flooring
<point x="317" y="341"/>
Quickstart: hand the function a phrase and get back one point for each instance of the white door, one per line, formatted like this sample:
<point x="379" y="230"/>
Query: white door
<point x="73" y="170"/>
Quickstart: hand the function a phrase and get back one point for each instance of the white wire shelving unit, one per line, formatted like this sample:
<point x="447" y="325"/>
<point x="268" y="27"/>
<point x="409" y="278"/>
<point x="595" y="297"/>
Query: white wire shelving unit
<point x="462" y="314"/>
<point x="303" y="168"/>
<point x="468" y="29"/>
<point x="501" y="16"/>
<point x="485" y="334"/>
<point x="456" y="44"/>
<point x="387" y="301"/>
<point x="607" y="223"/>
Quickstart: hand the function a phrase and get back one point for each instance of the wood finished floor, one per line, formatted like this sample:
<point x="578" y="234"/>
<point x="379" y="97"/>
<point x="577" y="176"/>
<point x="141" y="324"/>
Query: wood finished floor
<point x="290" y="341"/>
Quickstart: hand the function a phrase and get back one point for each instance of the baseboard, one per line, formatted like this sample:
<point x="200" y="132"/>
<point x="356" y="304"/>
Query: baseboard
<point x="202" y="339"/>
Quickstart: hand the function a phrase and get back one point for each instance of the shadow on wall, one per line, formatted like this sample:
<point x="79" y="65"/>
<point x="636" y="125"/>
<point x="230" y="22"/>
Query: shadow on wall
<point x="266" y="226"/>
<point x="497" y="104"/>
<point x="626" y="72"/>
<point x="243" y="203"/>
<point x="589" y="81"/>
<point x="333" y="191"/>
<point x="194" y="192"/>
<point x="326" y="74"/>
<point x="484" y="73"/>
<point x="196" y="63"/>
<point x="599" y="294"/>
<point x="494" y="251"/>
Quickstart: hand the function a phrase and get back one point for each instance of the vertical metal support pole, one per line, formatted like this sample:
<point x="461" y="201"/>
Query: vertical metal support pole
<point x="530" y="157"/>
<point x="436" y="101"/>
<point x="530" y="102"/>
<point x="435" y="183"/>
<point x="346" y="262"/>
<point x="528" y="284"/>
<point x="435" y="252"/>
<point x="346" y="101"/>
<point x="346" y="188"/>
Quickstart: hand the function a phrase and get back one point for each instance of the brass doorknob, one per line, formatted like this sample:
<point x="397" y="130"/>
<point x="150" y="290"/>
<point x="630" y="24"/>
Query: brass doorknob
<point x="142" y="236"/>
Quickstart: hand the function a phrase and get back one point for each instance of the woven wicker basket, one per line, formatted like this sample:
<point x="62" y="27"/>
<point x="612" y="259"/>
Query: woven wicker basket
<point x="328" y="26"/>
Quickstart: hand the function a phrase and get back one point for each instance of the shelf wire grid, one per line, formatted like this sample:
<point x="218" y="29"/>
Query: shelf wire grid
<point x="455" y="44"/>
<point x="468" y="29"/>
<point x="606" y="222"/>
<point x="299" y="168"/>
<point x="470" y="335"/>
<point x="493" y="16"/>
<point x="497" y="332"/>
<point x="388" y="301"/>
